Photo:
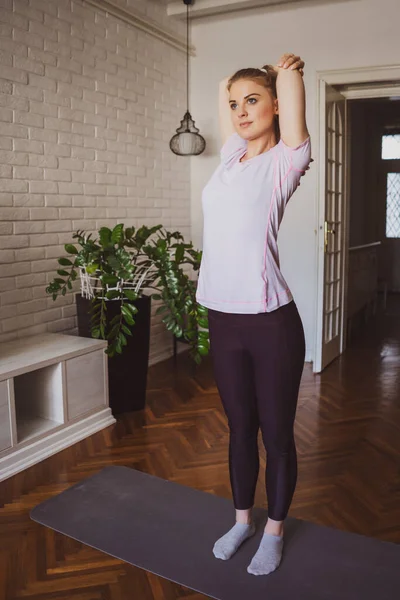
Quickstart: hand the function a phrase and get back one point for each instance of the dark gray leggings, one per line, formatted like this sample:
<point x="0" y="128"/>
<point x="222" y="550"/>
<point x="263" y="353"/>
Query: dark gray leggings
<point x="258" y="361"/>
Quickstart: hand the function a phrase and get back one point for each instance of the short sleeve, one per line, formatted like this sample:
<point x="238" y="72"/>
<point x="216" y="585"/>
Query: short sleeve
<point x="233" y="148"/>
<point x="291" y="164"/>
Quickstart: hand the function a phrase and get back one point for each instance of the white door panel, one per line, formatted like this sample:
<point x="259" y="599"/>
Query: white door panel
<point x="329" y="341"/>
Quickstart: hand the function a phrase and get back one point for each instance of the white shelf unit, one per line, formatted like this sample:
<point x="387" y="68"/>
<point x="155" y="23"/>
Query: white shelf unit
<point x="53" y="393"/>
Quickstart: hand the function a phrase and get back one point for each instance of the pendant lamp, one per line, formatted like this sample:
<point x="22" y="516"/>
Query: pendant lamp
<point x="187" y="141"/>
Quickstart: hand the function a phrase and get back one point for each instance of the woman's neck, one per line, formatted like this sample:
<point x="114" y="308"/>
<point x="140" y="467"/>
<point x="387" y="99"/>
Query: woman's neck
<point x="262" y="144"/>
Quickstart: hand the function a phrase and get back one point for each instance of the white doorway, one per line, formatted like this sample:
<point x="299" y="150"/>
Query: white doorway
<point x="333" y="90"/>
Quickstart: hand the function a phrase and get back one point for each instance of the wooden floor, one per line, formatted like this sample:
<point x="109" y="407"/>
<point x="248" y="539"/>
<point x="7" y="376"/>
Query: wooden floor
<point x="348" y="441"/>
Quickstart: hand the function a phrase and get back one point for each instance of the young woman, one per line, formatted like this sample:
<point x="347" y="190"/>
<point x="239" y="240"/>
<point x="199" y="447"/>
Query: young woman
<point x="256" y="334"/>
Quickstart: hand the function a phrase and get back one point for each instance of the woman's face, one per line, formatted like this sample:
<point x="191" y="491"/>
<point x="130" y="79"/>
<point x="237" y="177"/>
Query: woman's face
<point x="252" y="102"/>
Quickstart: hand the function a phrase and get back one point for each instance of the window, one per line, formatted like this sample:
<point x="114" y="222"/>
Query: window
<point x="393" y="205"/>
<point x="391" y="146"/>
<point x="391" y="151"/>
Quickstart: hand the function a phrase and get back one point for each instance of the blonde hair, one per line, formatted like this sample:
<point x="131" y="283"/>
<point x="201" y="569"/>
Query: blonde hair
<point x="265" y="76"/>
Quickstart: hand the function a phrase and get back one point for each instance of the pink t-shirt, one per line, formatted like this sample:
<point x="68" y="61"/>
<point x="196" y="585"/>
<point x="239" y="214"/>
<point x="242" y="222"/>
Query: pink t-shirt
<point x="243" y="205"/>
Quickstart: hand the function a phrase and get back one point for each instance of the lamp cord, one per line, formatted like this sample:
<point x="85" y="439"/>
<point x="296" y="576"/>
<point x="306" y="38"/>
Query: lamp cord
<point x="187" y="55"/>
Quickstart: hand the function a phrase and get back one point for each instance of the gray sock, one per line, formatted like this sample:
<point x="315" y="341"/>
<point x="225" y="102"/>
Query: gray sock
<point x="227" y="545"/>
<point x="268" y="556"/>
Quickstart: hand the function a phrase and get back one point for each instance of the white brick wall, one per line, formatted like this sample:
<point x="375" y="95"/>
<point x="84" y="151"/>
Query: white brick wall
<point x="88" y="105"/>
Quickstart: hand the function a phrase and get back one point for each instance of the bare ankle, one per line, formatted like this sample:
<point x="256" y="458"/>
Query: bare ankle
<point x="245" y="521"/>
<point x="244" y="516"/>
<point x="274" y="527"/>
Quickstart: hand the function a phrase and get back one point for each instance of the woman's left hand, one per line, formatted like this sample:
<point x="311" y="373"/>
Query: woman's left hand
<point x="292" y="62"/>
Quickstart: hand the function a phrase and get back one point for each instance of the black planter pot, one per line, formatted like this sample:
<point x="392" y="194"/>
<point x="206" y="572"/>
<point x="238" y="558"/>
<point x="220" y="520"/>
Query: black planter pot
<point x="127" y="372"/>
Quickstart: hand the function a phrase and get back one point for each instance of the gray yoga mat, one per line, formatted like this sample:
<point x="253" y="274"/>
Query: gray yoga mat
<point x="170" y="529"/>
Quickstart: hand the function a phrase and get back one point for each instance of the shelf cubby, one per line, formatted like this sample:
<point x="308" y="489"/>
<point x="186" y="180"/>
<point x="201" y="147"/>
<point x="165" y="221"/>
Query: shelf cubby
<point x="38" y="401"/>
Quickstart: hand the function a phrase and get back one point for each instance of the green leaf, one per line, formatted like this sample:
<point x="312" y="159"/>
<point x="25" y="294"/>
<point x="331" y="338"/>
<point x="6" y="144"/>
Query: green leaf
<point x="64" y="262"/>
<point x="90" y="269"/>
<point x="105" y="236"/>
<point x="124" y="274"/>
<point x="70" y="248"/>
<point x="112" y="294"/>
<point x="113" y="262"/>
<point x="112" y="333"/>
<point x="126" y="312"/>
<point x="202" y="310"/>
<point x="109" y="279"/>
<point x="130" y="294"/>
<point x="96" y="332"/>
<point x="62" y="272"/>
<point x="128" y="318"/>
<point x="178" y="330"/>
<point x="179" y="253"/>
<point x="131" y="307"/>
<point x="117" y="233"/>
<point x="197" y="359"/>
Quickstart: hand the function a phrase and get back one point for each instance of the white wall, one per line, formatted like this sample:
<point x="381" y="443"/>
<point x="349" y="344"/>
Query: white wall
<point x="88" y="105"/>
<point x="357" y="33"/>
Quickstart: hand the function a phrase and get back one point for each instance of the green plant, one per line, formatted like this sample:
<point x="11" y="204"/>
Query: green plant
<point x="119" y="265"/>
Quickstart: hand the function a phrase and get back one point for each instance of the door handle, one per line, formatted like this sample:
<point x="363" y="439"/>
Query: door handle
<point x="326" y="230"/>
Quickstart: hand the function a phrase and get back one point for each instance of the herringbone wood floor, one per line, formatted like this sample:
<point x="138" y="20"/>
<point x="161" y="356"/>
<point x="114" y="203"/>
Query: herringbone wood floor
<point x="348" y="440"/>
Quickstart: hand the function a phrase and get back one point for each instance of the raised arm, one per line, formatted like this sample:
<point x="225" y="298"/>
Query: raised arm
<point x="291" y="103"/>
<point x="225" y="122"/>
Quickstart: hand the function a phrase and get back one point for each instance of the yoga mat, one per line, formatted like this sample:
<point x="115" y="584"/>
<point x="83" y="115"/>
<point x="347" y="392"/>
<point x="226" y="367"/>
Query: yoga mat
<point x="170" y="529"/>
